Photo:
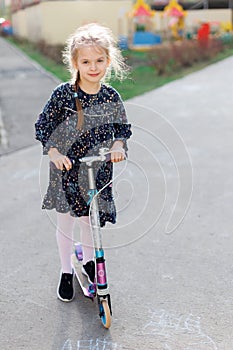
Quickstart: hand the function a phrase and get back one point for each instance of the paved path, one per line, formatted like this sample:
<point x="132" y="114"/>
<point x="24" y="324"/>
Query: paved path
<point x="171" y="283"/>
<point x="24" y="87"/>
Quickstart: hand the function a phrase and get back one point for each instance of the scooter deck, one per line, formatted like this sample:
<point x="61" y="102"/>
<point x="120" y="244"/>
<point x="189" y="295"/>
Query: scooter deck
<point x="89" y="290"/>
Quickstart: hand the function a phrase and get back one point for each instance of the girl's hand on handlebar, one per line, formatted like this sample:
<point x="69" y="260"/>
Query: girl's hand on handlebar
<point x="59" y="159"/>
<point x="117" y="152"/>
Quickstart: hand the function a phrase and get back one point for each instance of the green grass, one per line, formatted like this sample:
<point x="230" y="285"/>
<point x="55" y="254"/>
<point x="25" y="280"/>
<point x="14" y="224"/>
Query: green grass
<point x="143" y="78"/>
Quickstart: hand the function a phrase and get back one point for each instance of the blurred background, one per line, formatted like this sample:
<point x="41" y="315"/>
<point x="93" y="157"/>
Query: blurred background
<point x="161" y="40"/>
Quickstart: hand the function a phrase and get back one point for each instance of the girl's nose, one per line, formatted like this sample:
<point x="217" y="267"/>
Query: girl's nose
<point x="93" y="66"/>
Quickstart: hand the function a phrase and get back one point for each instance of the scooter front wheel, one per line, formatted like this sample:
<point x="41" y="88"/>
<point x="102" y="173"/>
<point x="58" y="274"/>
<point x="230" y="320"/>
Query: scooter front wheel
<point x="105" y="313"/>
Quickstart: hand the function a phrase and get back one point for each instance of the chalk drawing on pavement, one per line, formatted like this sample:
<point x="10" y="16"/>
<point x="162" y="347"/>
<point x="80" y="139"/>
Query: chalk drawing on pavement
<point x="97" y="345"/>
<point x="91" y="344"/>
<point x="178" y="331"/>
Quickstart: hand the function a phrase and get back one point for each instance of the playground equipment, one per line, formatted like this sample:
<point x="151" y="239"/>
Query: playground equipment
<point x="176" y="15"/>
<point x="143" y="26"/>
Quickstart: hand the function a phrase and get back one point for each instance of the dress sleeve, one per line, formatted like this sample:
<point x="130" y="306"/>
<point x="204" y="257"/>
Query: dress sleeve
<point x="122" y="129"/>
<point x="48" y="121"/>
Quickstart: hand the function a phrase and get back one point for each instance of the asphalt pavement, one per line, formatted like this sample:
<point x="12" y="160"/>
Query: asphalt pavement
<point x="169" y="257"/>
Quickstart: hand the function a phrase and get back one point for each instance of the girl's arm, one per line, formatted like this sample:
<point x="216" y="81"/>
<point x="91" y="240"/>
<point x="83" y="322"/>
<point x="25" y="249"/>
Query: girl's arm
<point x="48" y="121"/>
<point x="122" y="132"/>
<point x="47" y="131"/>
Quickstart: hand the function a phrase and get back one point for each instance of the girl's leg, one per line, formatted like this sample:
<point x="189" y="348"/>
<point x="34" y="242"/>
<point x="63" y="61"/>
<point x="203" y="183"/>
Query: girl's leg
<point x="64" y="234"/>
<point x="86" y="239"/>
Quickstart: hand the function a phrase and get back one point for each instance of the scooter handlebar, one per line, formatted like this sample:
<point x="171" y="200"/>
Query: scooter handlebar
<point x="104" y="156"/>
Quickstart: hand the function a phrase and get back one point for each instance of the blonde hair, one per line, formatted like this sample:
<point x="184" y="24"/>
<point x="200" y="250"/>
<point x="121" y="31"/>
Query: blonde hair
<point x="97" y="35"/>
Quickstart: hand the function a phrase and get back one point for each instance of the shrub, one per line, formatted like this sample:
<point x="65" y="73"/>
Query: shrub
<point x="227" y="40"/>
<point x="184" y="53"/>
<point x="161" y="58"/>
<point x="167" y="58"/>
<point x="52" y="51"/>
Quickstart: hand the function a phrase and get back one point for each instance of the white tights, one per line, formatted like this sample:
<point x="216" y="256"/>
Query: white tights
<point x="64" y="234"/>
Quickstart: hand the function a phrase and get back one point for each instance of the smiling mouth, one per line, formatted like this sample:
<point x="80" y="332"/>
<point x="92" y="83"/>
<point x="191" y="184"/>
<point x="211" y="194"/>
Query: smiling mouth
<point x="94" y="75"/>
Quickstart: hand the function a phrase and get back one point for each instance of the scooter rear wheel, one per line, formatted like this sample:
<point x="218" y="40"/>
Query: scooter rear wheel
<point x="105" y="314"/>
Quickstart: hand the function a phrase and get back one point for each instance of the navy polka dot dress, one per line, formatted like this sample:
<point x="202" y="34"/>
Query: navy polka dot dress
<point x="104" y="122"/>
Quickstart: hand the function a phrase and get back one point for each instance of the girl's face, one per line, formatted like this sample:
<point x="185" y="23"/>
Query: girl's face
<point x="92" y="63"/>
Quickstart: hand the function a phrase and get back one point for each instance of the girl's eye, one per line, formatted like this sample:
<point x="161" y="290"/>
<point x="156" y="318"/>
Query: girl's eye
<point x="85" y="62"/>
<point x="100" y="60"/>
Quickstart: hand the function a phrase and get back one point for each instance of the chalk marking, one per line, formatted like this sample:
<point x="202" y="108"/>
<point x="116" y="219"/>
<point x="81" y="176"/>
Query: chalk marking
<point x="96" y="345"/>
<point x="91" y="344"/>
<point x="178" y="329"/>
<point x="167" y="347"/>
<point x="24" y="174"/>
<point x="67" y="345"/>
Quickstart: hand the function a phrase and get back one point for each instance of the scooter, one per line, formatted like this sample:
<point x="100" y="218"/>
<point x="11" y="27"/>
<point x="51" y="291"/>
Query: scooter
<point x="100" y="286"/>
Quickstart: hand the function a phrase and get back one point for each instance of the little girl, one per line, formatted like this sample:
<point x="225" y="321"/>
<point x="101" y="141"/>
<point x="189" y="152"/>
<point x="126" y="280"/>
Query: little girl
<point x="80" y="117"/>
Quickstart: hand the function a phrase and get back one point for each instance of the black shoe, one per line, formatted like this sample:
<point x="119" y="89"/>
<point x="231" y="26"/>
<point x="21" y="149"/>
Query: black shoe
<point x="65" y="289"/>
<point x="89" y="270"/>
